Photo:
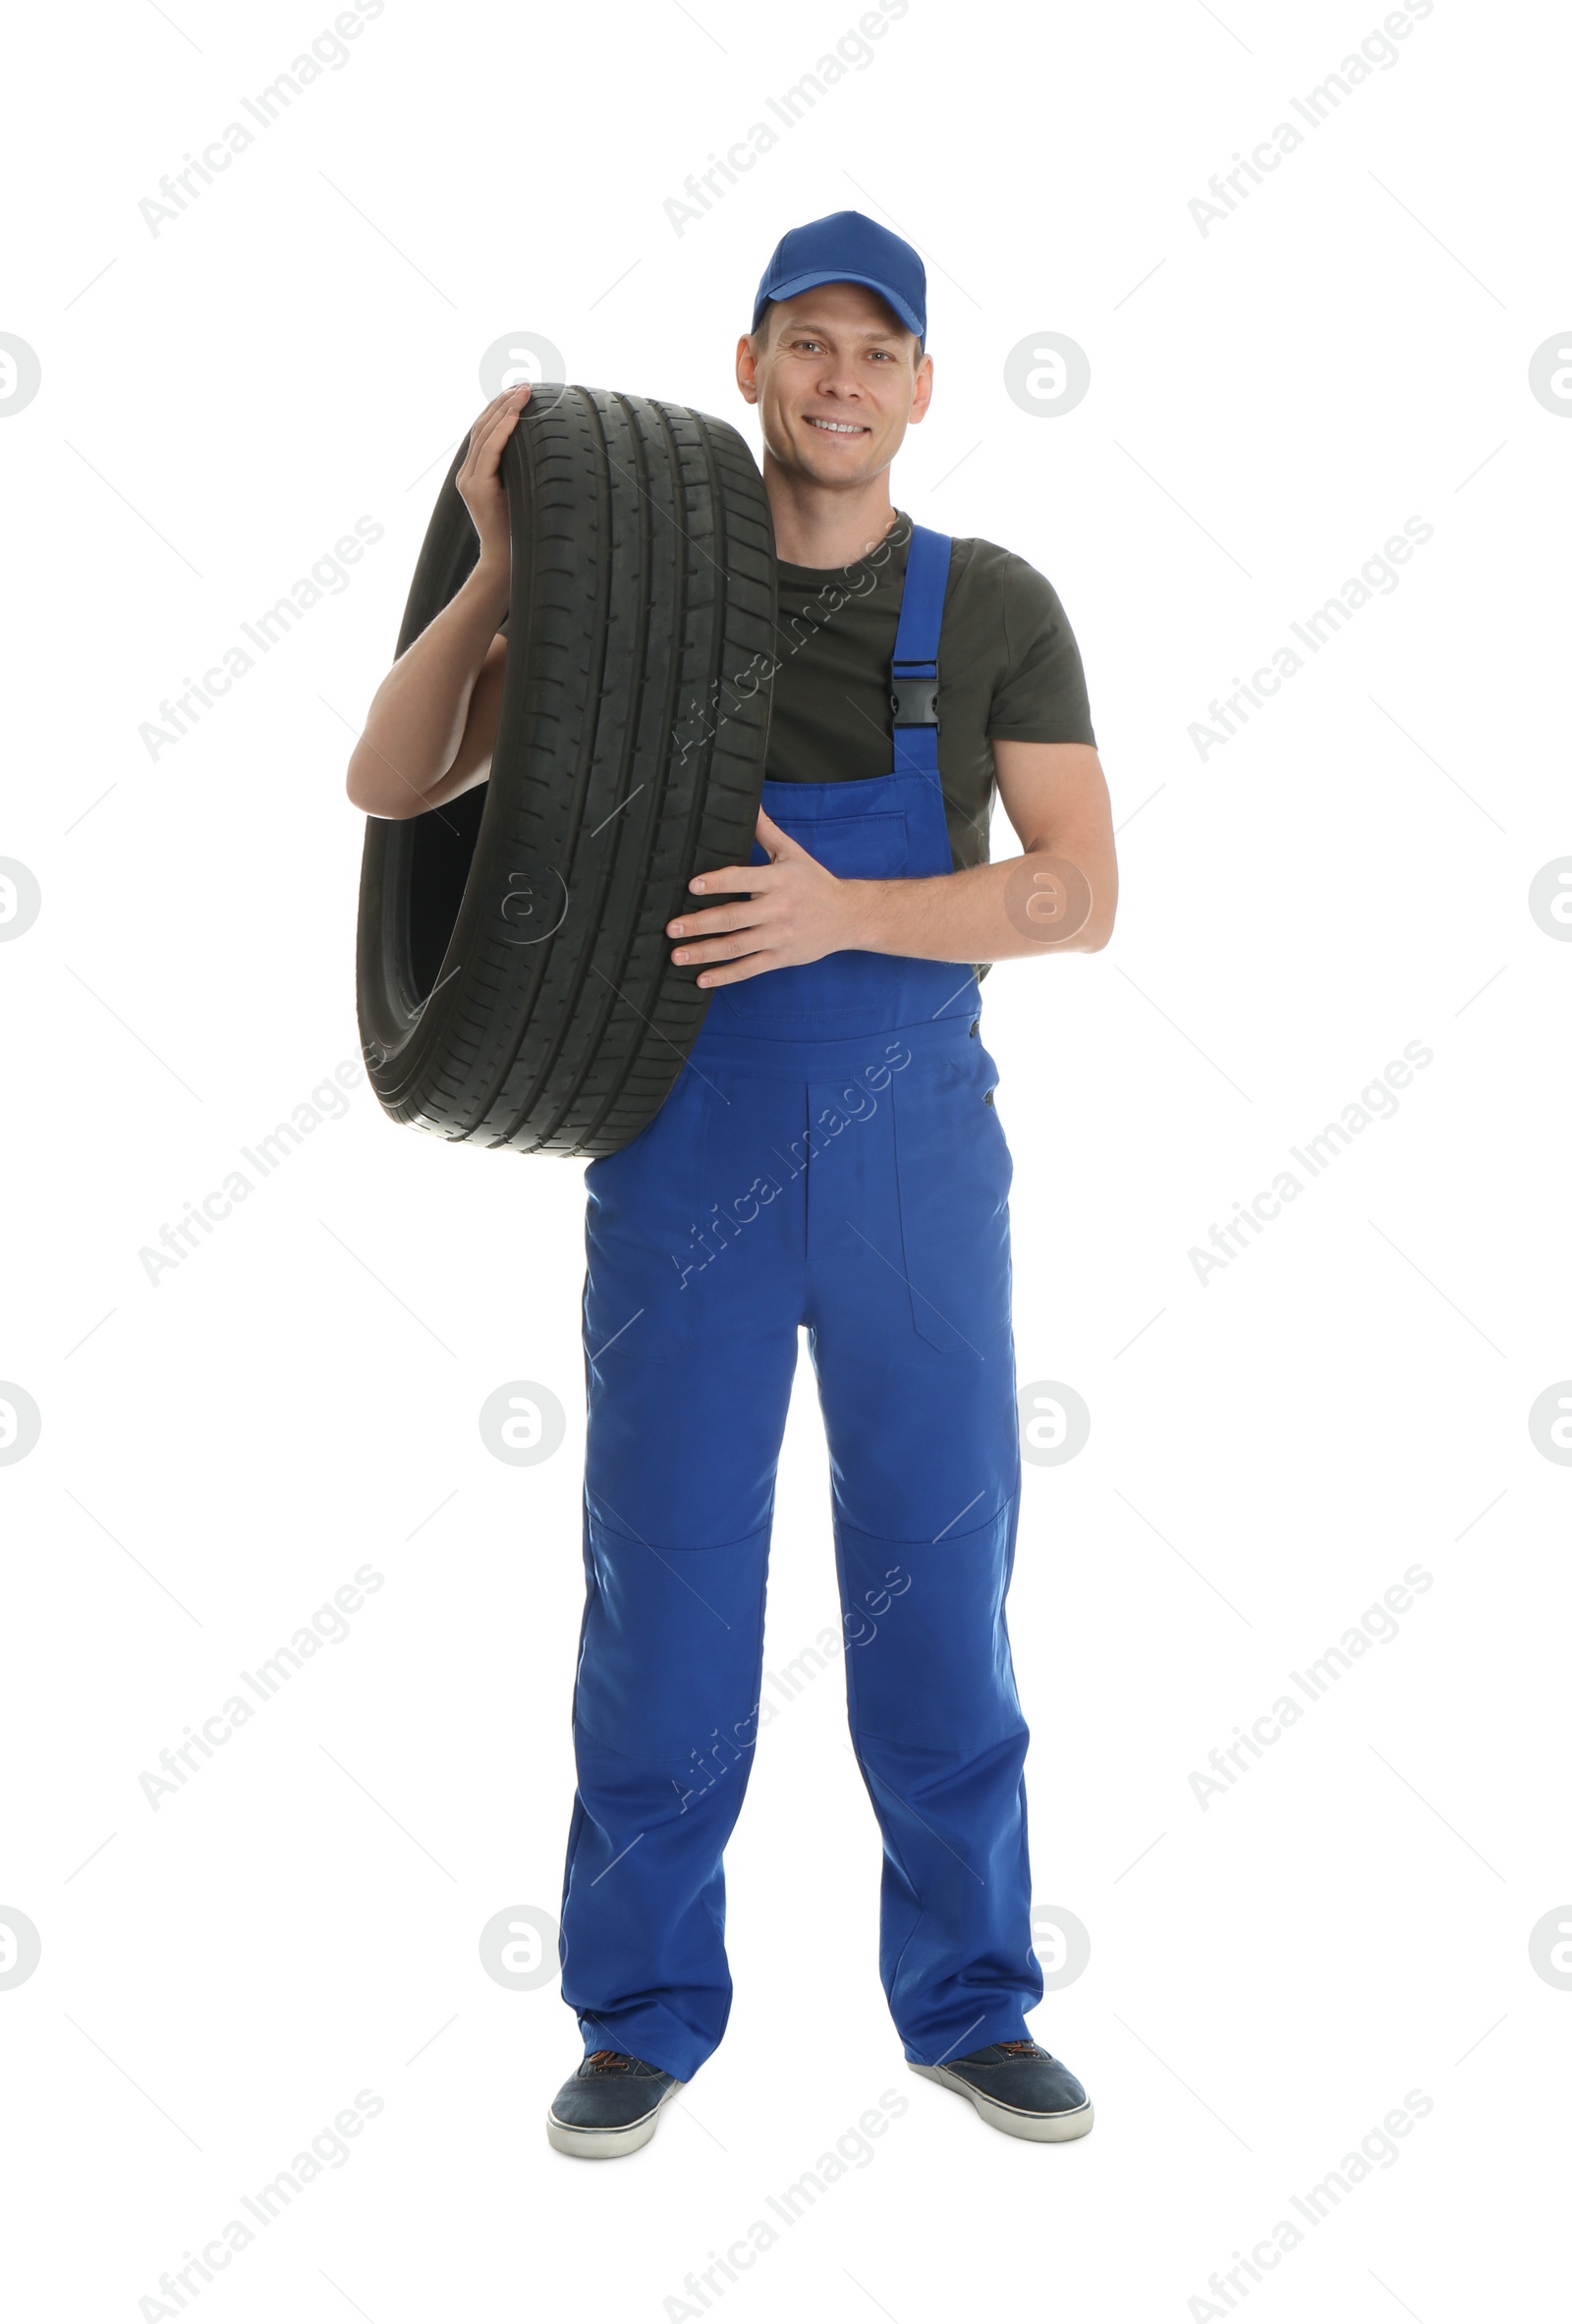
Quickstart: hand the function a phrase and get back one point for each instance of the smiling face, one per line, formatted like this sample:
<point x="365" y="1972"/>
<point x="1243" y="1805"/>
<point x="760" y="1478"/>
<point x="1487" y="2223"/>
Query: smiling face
<point x="838" y="379"/>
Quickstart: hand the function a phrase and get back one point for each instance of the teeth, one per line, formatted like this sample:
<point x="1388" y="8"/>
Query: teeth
<point x="838" y="427"/>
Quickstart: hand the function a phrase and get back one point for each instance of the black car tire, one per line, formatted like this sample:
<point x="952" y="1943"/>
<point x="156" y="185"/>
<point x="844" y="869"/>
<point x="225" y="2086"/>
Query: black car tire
<point x="514" y="979"/>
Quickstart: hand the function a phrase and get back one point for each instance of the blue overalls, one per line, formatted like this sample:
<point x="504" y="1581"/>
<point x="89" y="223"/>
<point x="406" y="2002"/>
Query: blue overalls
<point x="830" y="1157"/>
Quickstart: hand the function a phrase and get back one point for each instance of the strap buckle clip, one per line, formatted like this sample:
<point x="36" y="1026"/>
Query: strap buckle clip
<point x="915" y="695"/>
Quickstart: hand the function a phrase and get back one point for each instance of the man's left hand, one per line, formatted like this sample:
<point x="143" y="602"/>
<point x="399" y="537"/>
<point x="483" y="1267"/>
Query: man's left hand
<point x="795" y="911"/>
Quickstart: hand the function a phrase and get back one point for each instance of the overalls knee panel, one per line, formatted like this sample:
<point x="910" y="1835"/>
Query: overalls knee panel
<point x="829" y="1158"/>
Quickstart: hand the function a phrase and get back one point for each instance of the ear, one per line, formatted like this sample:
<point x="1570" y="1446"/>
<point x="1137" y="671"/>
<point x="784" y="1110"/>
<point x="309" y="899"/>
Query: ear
<point x="746" y="370"/>
<point x="922" y="389"/>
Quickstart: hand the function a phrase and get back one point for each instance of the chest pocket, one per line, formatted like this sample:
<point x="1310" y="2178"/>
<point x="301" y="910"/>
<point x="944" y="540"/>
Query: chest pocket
<point x="853" y="847"/>
<point x="842" y="986"/>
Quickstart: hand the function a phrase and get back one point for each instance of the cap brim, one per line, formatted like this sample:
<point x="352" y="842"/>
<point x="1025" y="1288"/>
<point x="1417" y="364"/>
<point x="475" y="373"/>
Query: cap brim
<point x="811" y="282"/>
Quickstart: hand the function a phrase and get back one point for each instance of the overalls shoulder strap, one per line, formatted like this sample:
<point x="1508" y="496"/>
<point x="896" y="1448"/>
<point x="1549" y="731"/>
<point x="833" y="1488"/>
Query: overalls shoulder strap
<point x="915" y="663"/>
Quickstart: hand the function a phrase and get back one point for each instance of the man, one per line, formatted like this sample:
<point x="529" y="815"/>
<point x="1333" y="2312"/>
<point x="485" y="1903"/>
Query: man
<point x="829" y="1158"/>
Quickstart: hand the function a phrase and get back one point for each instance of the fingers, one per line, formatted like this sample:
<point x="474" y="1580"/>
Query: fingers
<point x="718" y="921"/>
<point x="755" y="878"/>
<point x="720" y="948"/>
<point x="481" y="428"/>
<point x="721" y="921"/>
<point x="755" y="965"/>
<point x="492" y="430"/>
<point x="746" y="947"/>
<point x="496" y="423"/>
<point x="718" y="934"/>
<point x="512" y="399"/>
<point x="778" y="842"/>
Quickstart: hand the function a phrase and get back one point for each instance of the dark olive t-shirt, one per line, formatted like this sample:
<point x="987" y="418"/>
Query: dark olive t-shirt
<point x="1009" y="666"/>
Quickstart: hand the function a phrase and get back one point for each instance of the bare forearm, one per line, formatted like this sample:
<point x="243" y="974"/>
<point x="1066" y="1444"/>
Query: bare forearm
<point x="992" y="912"/>
<point x="418" y="715"/>
<point x="1058" y="895"/>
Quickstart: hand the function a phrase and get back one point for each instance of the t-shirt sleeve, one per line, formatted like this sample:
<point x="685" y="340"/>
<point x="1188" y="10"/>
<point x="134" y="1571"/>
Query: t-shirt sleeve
<point x="1041" y="697"/>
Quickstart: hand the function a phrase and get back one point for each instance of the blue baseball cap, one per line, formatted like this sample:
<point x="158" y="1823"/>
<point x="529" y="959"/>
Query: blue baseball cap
<point x="847" y="247"/>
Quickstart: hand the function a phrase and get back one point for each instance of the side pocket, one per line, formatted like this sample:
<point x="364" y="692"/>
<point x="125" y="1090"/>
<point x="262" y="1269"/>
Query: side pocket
<point x="953" y="1176"/>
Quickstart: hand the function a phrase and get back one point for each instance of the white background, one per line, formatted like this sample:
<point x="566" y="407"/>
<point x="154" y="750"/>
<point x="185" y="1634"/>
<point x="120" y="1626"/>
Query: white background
<point x="1269" y="1977"/>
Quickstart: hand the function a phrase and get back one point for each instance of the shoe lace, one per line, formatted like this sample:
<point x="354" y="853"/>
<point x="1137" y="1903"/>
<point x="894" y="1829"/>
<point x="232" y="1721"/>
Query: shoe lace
<point x="609" y="2061"/>
<point x="1020" y="2049"/>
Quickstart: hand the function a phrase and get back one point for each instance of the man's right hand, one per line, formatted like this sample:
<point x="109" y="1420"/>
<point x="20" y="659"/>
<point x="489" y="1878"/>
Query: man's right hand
<point x="479" y="480"/>
<point x="432" y="724"/>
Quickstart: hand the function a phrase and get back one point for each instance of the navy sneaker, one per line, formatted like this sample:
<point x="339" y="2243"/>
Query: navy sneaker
<point x="1019" y="2089"/>
<point x="610" y="2106"/>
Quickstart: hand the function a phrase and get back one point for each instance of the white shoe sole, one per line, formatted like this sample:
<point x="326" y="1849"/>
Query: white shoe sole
<point x="1074" y="2123"/>
<point x="603" y="2145"/>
